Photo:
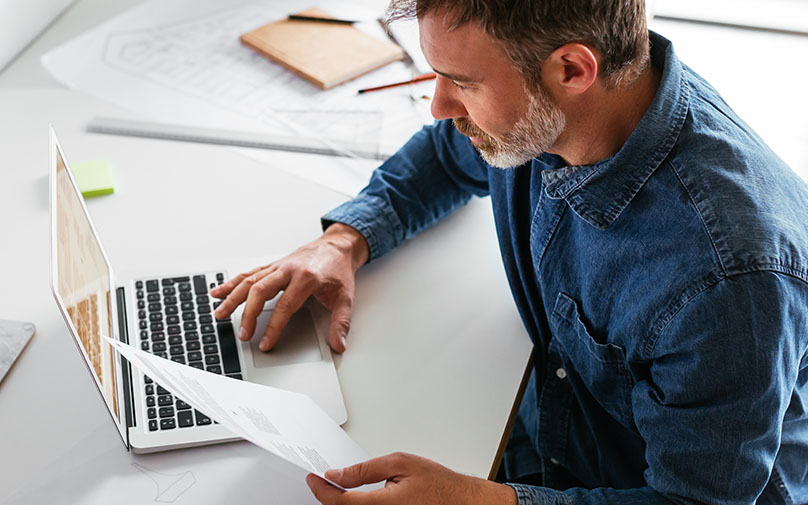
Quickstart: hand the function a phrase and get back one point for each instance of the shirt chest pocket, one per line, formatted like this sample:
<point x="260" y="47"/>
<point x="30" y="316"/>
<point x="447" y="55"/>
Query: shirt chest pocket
<point x="596" y="370"/>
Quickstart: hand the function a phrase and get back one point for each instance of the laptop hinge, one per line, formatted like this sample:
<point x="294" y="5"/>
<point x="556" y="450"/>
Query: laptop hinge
<point x="126" y="370"/>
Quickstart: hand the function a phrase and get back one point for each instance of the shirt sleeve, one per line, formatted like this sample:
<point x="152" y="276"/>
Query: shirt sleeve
<point x="437" y="171"/>
<point x="724" y="379"/>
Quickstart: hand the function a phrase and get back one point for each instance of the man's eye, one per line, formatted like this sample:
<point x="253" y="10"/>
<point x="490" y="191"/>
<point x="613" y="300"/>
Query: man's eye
<point x="458" y="85"/>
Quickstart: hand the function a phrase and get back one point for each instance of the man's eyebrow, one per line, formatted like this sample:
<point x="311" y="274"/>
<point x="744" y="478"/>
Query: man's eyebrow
<point x="455" y="77"/>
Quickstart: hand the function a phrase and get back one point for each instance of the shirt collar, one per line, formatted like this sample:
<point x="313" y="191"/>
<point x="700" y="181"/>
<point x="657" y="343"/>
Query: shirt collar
<point x="598" y="193"/>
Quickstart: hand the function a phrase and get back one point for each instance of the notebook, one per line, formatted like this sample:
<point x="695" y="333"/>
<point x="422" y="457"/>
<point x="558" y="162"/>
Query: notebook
<point x="169" y="315"/>
<point x="327" y="54"/>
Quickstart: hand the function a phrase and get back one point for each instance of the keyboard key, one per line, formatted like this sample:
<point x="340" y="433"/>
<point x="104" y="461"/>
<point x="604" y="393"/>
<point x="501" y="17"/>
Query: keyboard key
<point x="164" y="400"/>
<point x="178" y="359"/>
<point x="216" y="304"/>
<point x="154" y="316"/>
<point x="194" y="356"/>
<point x="175" y="340"/>
<point x="149" y="389"/>
<point x="207" y="328"/>
<point x="202" y="300"/>
<point x="174" y="319"/>
<point x="200" y="285"/>
<point x="139" y="285"/>
<point x="162" y="391"/>
<point x="214" y="369"/>
<point x="201" y="419"/>
<point x="186" y="296"/>
<point x="170" y="300"/>
<point x="227" y="340"/>
<point x="151" y="412"/>
<point x="185" y="287"/>
<point x="220" y="277"/>
<point x="188" y="316"/>
<point x="141" y="304"/>
<point x="182" y="279"/>
<point x="153" y="297"/>
<point x="174" y="330"/>
<point x="150" y="401"/>
<point x="153" y="425"/>
<point x="205" y="319"/>
<point x="189" y="325"/>
<point x="203" y="309"/>
<point x="191" y="335"/>
<point x="185" y="419"/>
<point x="155" y="307"/>
<point x="211" y="349"/>
<point x="161" y="354"/>
<point x="169" y="291"/>
<point x="141" y="314"/>
<point x="193" y="345"/>
<point x="143" y="324"/>
<point x="168" y="282"/>
<point x="156" y="326"/>
<point x="172" y="310"/>
<point x="209" y="338"/>
<point x="159" y="347"/>
<point x="197" y="364"/>
<point x="152" y="286"/>
<point x="176" y="349"/>
<point x="181" y="405"/>
<point x="212" y="359"/>
<point x="187" y="306"/>
<point x="158" y="336"/>
<point x="147" y="379"/>
<point x="236" y="376"/>
<point x="139" y="295"/>
<point x="167" y="424"/>
<point x="144" y="335"/>
<point x="144" y="345"/>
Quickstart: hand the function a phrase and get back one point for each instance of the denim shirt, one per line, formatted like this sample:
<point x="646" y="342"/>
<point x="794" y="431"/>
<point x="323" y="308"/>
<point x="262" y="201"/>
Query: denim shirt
<point x="664" y="289"/>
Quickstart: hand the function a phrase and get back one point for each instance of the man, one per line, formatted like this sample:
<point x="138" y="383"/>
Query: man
<point x="656" y="248"/>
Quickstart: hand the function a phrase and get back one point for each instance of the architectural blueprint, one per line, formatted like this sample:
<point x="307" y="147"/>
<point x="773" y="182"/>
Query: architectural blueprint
<point x="165" y="64"/>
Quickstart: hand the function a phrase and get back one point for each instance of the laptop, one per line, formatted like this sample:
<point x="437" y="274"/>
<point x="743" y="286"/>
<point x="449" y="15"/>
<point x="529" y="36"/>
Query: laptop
<point x="170" y="315"/>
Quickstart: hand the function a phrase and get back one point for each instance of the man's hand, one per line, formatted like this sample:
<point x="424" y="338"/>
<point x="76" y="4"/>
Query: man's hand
<point x="324" y="268"/>
<point x="410" y="479"/>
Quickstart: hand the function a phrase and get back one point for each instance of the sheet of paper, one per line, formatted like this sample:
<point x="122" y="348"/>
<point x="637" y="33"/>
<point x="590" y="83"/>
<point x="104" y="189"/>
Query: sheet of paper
<point x="14" y="336"/>
<point x="289" y="425"/>
<point x="181" y="62"/>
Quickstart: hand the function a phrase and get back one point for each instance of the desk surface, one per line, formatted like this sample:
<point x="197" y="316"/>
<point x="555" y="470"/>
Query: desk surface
<point x="435" y="355"/>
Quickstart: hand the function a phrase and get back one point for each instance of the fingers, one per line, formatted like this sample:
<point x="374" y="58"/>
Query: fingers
<point x="373" y="470"/>
<point x="239" y="288"/>
<point x="340" y="324"/>
<point x="330" y="495"/>
<point x="291" y="300"/>
<point x="224" y="289"/>
<point x="264" y="289"/>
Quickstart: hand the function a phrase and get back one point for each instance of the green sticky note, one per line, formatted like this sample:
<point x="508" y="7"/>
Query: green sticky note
<point x="94" y="178"/>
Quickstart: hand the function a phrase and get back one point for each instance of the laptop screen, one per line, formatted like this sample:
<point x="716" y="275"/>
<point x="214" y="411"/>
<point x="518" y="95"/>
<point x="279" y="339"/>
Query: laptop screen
<point x="81" y="280"/>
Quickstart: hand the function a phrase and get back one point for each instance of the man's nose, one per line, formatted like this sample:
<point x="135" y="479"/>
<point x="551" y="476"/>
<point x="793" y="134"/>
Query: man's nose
<point x="445" y="103"/>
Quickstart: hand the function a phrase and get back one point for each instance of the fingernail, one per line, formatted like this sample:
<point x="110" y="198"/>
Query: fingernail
<point x="242" y="333"/>
<point x="333" y="474"/>
<point x="264" y="344"/>
<point x="344" y="342"/>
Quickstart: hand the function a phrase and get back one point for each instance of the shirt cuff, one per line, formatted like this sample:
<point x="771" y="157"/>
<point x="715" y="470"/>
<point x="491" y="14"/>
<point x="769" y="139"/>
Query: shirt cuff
<point x="373" y="218"/>
<point x="534" y="495"/>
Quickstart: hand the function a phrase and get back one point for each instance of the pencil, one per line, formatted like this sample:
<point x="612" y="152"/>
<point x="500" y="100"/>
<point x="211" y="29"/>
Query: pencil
<point x="422" y="77"/>
<point x="300" y="17"/>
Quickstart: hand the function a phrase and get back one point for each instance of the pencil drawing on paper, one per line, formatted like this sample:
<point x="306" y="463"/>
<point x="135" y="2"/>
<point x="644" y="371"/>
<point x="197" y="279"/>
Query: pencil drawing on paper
<point x="169" y="486"/>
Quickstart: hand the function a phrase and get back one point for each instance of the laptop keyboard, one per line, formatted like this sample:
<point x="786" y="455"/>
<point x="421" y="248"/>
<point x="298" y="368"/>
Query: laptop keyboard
<point x="175" y="321"/>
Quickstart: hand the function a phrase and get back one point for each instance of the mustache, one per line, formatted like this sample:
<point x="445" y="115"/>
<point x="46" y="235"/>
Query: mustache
<point x="469" y="129"/>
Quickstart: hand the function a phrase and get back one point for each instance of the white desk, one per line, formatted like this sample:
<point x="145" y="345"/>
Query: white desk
<point x="435" y="355"/>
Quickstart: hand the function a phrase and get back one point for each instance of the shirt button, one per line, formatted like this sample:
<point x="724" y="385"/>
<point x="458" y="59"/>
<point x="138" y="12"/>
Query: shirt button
<point x="553" y="460"/>
<point x="561" y="373"/>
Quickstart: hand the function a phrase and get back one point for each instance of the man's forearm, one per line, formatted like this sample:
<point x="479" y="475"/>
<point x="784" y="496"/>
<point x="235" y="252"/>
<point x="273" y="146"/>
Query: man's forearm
<point x="350" y="241"/>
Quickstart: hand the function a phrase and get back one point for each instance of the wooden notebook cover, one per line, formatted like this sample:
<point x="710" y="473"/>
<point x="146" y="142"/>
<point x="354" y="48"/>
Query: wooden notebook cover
<point x="326" y="54"/>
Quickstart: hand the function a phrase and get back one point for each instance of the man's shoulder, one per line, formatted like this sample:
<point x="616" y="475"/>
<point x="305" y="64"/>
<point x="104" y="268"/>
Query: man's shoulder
<point x="753" y="206"/>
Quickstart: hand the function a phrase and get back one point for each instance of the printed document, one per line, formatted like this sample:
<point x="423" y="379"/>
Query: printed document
<point x="289" y="425"/>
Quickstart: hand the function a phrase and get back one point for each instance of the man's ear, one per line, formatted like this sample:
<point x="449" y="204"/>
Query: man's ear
<point x="571" y="69"/>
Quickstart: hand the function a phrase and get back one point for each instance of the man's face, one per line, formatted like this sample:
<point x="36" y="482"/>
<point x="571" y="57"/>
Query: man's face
<point x="485" y="94"/>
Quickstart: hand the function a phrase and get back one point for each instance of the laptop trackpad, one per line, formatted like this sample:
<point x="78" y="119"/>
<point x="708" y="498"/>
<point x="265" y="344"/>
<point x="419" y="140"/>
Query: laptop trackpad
<point x="298" y="342"/>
